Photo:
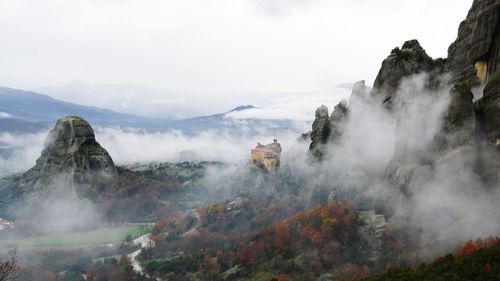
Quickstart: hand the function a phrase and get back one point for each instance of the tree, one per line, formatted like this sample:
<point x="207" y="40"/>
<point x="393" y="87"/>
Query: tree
<point x="9" y="269"/>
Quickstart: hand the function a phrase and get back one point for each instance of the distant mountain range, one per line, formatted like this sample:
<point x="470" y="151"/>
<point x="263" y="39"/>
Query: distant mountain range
<point x="26" y="111"/>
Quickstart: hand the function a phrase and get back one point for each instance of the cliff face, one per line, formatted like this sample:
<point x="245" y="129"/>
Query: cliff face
<point x="327" y="130"/>
<point x="320" y="133"/>
<point x="71" y="159"/>
<point x="477" y="42"/>
<point x="409" y="60"/>
<point x="408" y="86"/>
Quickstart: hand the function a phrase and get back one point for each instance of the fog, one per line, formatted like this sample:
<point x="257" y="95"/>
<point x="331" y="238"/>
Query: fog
<point x="131" y="146"/>
<point x="389" y="160"/>
<point x="299" y="107"/>
<point x="128" y="146"/>
<point x="385" y="159"/>
<point x="18" y="152"/>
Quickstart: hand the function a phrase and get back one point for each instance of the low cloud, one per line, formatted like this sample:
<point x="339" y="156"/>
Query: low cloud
<point x="298" y="107"/>
<point x="132" y="146"/>
<point x="5" y="115"/>
<point x="18" y="152"/>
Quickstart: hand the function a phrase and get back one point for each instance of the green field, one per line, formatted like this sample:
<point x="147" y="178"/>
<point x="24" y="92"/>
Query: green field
<point x="102" y="236"/>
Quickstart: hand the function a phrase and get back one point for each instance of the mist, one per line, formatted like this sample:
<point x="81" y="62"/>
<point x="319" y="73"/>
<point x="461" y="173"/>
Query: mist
<point x="129" y="146"/>
<point x="443" y="197"/>
<point x="18" y="152"/>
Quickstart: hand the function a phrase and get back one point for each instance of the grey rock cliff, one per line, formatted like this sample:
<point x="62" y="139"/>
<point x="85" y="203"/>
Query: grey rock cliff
<point x="71" y="158"/>
<point x="475" y="43"/>
<point x="320" y="132"/>
<point x="409" y="60"/>
<point x="327" y="130"/>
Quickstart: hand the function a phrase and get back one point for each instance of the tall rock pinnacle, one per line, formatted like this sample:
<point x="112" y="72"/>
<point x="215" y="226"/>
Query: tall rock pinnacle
<point x="71" y="157"/>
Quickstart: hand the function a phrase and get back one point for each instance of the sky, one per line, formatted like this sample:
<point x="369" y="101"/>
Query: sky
<point x="164" y="58"/>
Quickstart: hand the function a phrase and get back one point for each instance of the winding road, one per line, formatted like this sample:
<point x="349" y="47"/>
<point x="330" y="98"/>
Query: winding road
<point x="145" y="242"/>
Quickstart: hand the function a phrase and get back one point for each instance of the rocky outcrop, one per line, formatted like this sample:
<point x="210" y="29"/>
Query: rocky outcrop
<point x="320" y="132"/>
<point x="372" y="229"/>
<point x="430" y="125"/>
<point x="458" y="121"/>
<point x="476" y="47"/>
<point x="326" y="130"/>
<point x="409" y="60"/>
<point x="468" y="129"/>
<point x="488" y="112"/>
<point x="70" y="160"/>
<point x="338" y="122"/>
<point x="359" y="95"/>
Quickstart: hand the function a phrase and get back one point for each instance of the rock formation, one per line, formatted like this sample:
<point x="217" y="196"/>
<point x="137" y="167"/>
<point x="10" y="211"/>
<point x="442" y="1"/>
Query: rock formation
<point x="409" y="60"/>
<point x="337" y="122"/>
<point x="458" y="121"/>
<point x="327" y="130"/>
<point x="488" y="111"/>
<point x="71" y="160"/>
<point x="372" y="229"/>
<point x="476" y="47"/>
<point x="468" y="130"/>
<point x="320" y="132"/>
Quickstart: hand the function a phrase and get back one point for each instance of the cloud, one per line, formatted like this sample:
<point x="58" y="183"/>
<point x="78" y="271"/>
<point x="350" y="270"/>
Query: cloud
<point x="132" y="146"/>
<point x="298" y="107"/>
<point x="18" y="152"/>
<point x="125" y="97"/>
<point x="5" y="115"/>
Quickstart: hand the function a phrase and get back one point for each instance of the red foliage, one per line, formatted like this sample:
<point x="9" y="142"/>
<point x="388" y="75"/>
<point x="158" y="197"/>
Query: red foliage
<point x="471" y="246"/>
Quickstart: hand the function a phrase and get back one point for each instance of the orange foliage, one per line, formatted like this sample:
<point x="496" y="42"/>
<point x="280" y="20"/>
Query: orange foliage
<point x="472" y="246"/>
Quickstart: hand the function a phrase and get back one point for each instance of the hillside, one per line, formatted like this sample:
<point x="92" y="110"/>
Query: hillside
<point x="479" y="264"/>
<point x="396" y="176"/>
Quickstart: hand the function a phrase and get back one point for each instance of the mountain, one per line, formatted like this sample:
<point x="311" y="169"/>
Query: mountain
<point x="131" y="98"/>
<point x="222" y="115"/>
<point x="30" y="110"/>
<point x="224" y="122"/>
<point x="25" y="111"/>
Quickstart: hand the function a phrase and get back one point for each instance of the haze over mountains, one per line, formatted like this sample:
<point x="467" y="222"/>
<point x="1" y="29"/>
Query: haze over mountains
<point x="26" y="111"/>
<point x="385" y="178"/>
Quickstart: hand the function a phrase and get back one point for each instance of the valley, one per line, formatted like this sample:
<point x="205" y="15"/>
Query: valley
<point x="401" y="181"/>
